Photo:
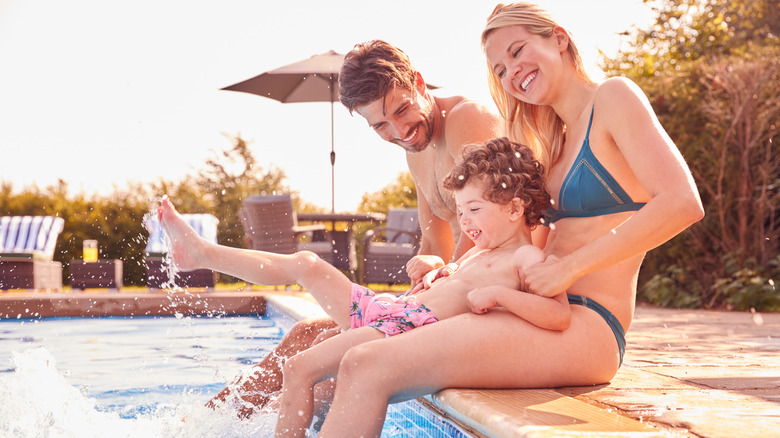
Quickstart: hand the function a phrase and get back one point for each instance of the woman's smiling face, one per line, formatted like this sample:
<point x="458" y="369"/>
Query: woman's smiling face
<point x="523" y="61"/>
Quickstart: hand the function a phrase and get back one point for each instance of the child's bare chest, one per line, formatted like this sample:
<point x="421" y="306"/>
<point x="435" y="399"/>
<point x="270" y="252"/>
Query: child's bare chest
<point x="484" y="269"/>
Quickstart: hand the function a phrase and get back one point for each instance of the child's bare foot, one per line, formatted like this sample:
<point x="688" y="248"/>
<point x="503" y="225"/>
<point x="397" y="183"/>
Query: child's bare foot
<point x="186" y="245"/>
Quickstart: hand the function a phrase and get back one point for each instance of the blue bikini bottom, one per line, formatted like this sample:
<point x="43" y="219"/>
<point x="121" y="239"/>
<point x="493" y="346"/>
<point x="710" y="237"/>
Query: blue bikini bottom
<point x="613" y="323"/>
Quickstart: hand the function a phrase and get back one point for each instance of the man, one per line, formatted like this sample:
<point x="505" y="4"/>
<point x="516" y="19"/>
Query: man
<point x="378" y="82"/>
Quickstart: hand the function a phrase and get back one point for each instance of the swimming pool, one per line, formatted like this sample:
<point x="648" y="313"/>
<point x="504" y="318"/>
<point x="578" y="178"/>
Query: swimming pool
<point x="131" y="376"/>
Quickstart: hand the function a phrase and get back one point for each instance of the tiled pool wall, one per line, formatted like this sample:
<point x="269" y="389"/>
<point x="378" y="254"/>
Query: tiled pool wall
<point x="413" y="414"/>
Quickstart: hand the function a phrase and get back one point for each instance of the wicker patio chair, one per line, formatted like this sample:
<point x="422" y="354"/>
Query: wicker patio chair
<point x="271" y="225"/>
<point x="387" y="249"/>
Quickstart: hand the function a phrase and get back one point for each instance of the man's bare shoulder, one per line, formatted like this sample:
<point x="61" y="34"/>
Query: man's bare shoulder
<point x="468" y="122"/>
<point x="461" y="108"/>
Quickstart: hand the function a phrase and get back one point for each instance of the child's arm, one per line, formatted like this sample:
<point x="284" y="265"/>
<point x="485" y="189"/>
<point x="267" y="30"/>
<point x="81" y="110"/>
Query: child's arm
<point x="548" y="313"/>
<point x="551" y="313"/>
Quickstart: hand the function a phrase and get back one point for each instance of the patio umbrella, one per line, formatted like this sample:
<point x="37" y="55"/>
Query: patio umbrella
<point x="312" y="80"/>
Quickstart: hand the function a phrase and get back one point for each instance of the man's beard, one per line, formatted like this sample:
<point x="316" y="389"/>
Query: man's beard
<point x="421" y="144"/>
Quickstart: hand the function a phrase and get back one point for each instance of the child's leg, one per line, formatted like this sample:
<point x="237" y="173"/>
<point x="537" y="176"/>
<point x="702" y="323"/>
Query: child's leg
<point x="330" y="287"/>
<point x="304" y="370"/>
<point x="265" y="380"/>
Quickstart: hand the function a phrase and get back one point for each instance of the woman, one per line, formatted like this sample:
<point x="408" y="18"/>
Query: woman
<point x="620" y="188"/>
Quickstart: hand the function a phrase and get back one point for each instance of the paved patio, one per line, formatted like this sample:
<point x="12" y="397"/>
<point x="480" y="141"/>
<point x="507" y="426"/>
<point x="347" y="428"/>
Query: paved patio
<point x="698" y="373"/>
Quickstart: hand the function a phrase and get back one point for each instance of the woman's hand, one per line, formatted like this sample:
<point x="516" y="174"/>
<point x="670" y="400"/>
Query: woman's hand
<point x="549" y="278"/>
<point x="420" y="265"/>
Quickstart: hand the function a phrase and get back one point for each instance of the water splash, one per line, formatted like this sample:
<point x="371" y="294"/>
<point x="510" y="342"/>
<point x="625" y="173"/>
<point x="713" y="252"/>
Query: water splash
<point x="161" y="244"/>
<point x="38" y="401"/>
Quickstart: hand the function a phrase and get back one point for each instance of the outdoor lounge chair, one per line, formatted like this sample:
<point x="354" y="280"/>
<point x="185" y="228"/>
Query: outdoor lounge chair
<point x="387" y="249"/>
<point x="157" y="265"/>
<point x="27" y="251"/>
<point x="271" y="225"/>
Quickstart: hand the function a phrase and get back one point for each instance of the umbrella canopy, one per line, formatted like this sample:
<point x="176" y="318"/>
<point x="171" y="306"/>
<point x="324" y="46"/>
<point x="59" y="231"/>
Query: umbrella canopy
<point x="312" y="80"/>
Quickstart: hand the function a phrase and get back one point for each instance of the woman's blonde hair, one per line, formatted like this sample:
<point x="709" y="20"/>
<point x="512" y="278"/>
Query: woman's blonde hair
<point x="537" y="126"/>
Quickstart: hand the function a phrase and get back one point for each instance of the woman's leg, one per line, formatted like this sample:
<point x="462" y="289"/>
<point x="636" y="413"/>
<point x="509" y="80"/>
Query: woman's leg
<point x="495" y="350"/>
<point x="305" y="369"/>
<point x="329" y="286"/>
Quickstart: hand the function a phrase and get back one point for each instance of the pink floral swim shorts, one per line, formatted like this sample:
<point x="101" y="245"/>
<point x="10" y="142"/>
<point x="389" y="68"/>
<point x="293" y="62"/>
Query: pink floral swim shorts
<point x="386" y="312"/>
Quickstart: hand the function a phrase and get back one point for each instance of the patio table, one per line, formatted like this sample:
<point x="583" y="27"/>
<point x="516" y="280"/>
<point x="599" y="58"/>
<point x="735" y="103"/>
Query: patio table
<point x="97" y="274"/>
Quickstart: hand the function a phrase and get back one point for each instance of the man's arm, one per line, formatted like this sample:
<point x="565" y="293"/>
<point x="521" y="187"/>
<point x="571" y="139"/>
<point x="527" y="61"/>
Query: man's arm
<point x="436" y="232"/>
<point x="462" y="247"/>
<point x="436" y="244"/>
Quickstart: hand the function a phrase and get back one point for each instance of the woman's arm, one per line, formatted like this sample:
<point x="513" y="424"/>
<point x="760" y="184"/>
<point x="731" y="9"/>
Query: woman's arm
<point x="673" y="204"/>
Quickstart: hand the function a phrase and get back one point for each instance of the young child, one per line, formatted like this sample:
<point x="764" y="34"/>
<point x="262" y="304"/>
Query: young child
<point x="500" y="193"/>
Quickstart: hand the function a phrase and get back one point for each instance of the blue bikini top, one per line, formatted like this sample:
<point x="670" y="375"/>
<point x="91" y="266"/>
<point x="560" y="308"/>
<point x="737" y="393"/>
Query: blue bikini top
<point x="589" y="190"/>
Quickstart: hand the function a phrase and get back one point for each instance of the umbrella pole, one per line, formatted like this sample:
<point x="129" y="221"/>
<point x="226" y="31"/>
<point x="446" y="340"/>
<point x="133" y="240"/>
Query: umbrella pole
<point x="332" y="154"/>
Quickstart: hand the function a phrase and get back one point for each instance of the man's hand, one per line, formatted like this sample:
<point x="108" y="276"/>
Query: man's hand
<point x="430" y="277"/>
<point x="420" y="265"/>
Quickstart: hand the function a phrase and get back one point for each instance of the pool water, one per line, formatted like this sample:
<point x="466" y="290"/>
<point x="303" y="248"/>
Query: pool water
<point x="145" y="377"/>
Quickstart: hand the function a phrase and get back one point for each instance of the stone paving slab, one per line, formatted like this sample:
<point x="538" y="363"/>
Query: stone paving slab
<point x="698" y="373"/>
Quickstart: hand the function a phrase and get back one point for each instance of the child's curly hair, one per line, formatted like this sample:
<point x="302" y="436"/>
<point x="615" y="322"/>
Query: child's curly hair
<point x="508" y="170"/>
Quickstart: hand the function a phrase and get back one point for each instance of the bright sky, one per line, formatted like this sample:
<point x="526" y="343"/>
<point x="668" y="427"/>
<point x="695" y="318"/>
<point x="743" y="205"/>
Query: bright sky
<point x="102" y="92"/>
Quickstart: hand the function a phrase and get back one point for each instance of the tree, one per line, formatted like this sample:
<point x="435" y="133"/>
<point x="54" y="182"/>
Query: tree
<point x="115" y="221"/>
<point x="711" y="69"/>
<point x="687" y="30"/>
<point x="400" y="193"/>
<point x="229" y="177"/>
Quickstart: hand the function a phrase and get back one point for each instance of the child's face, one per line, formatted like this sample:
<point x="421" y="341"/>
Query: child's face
<point x="483" y="221"/>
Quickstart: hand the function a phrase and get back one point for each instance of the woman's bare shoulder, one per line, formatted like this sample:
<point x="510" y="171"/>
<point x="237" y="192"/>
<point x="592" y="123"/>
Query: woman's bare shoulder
<point x="619" y="92"/>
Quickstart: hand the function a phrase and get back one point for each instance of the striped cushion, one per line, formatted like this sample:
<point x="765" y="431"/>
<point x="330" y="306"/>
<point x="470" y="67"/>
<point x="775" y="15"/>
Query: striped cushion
<point x="30" y="235"/>
<point x="203" y="224"/>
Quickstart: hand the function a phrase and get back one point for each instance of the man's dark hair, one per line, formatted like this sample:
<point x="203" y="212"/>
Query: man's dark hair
<point x="371" y="70"/>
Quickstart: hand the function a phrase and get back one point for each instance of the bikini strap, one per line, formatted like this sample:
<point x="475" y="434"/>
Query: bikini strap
<point x="590" y="121"/>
